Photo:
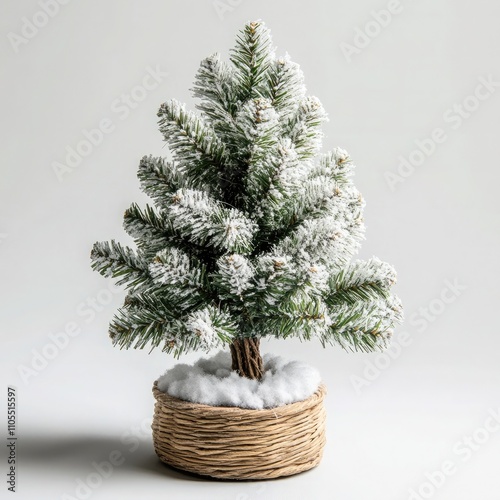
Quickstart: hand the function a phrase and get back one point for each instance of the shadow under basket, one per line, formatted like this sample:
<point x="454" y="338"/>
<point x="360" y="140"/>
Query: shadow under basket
<point x="236" y="443"/>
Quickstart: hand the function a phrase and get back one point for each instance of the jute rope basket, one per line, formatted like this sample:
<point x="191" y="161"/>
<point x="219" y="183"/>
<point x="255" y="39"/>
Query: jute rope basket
<point x="236" y="443"/>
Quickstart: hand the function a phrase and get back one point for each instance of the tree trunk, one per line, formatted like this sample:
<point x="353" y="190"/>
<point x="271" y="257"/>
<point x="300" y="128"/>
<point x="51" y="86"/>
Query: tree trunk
<point x="246" y="357"/>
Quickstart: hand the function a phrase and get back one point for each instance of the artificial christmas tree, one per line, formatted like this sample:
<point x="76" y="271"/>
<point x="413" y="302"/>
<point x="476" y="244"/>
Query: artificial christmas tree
<point x="251" y="236"/>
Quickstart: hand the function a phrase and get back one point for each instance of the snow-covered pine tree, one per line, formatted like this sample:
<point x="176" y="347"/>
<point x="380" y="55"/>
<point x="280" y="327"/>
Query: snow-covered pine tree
<point x="252" y="229"/>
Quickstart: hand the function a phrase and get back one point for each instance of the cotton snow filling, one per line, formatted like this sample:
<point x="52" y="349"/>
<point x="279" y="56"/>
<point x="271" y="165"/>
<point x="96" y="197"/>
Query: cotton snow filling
<point x="211" y="382"/>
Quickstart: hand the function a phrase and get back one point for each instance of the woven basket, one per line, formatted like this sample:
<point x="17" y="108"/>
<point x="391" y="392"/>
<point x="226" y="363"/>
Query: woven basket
<point x="236" y="443"/>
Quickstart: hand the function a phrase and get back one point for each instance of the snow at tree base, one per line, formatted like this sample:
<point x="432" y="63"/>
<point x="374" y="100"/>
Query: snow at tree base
<point x="212" y="382"/>
<point x="252" y="229"/>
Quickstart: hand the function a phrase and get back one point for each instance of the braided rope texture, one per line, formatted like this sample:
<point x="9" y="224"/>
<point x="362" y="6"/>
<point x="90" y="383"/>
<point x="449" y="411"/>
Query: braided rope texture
<point x="237" y="443"/>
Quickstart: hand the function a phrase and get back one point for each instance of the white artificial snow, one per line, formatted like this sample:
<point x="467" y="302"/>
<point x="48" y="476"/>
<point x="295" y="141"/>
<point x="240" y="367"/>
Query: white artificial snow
<point x="235" y="273"/>
<point x="272" y="269"/>
<point x="306" y="129"/>
<point x="237" y="230"/>
<point x="372" y="270"/>
<point x="290" y="85"/>
<point x="200" y="324"/>
<point x="340" y="156"/>
<point x="171" y="267"/>
<point x="317" y="276"/>
<point x="293" y="175"/>
<point x="256" y="119"/>
<point x="211" y="381"/>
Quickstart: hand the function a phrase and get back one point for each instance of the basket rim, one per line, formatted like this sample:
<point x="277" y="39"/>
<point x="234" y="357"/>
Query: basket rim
<point x="165" y="399"/>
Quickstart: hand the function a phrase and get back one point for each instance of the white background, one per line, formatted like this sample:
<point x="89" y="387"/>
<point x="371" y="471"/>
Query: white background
<point x="388" y="426"/>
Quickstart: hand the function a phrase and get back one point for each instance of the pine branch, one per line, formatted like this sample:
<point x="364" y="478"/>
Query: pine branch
<point x="336" y="165"/>
<point x="172" y="270"/>
<point x="274" y="277"/>
<point x="252" y="57"/>
<point x="144" y="319"/>
<point x="112" y="260"/>
<point x="297" y="306"/>
<point x="233" y="277"/>
<point x="288" y="206"/>
<point x="309" y="201"/>
<point x="159" y="179"/>
<point x="148" y="321"/>
<point x="257" y="123"/>
<point x="364" y="326"/>
<point x="182" y="276"/>
<point x="273" y="180"/>
<point x="150" y="231"/>
<point x="215" y="85"/>
<point x="210" y="326"/>
<point x="331" y="239"/>
<point x="319" y="194"/>
<point x="304" y="128"/>
<point x="298" y="190"/>
<point x="201" y="155"/>
<point x="301" y="315"/>
<point x="285" y="86"/>
<point x="254" y="144"/>
<point x="154" y="232"/>
<point x="207" y="222"/>
<point x="361" y="281"/>
<point x="248" y="131"/>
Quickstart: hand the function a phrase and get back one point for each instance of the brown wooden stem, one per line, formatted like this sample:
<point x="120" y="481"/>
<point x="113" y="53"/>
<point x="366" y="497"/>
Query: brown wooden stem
<point x="246" y="358"/>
